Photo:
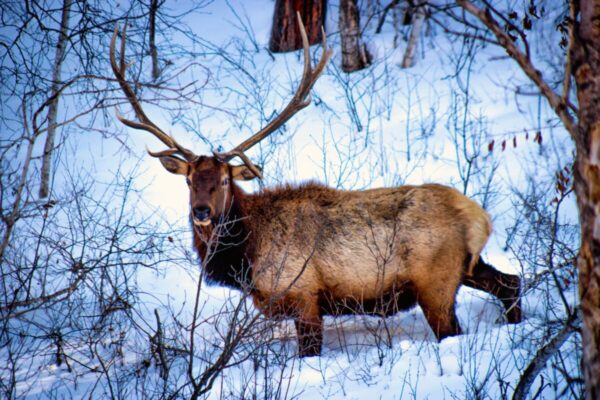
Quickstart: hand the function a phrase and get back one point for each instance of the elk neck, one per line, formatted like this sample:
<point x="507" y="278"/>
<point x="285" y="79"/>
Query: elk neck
<point x="225" y="247"/>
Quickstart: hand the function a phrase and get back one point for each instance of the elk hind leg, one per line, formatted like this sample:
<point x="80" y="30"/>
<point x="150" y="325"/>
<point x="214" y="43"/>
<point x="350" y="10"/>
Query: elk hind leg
<point x="437" y="304"/>
<point x="505" y="287"/>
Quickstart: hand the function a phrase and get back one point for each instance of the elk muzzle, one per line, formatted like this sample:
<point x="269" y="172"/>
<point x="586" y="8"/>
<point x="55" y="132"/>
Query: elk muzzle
<point x="201" y="215"/>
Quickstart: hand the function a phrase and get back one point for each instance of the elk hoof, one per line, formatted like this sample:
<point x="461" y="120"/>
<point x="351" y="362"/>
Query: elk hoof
<point x="309" y="347"/>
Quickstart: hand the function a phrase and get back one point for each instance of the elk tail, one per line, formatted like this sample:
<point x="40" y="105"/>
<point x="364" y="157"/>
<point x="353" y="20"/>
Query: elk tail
<point x="478" y="230"/>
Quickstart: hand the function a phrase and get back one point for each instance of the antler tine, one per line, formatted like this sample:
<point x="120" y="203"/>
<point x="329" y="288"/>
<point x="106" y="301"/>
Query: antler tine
<point x="300" y="100"/>
<point x="144" y="122"/>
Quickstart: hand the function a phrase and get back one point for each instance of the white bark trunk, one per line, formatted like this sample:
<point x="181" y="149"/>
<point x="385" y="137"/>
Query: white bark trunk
<point x="55" y="94"/>
<point x="413" y="40"/>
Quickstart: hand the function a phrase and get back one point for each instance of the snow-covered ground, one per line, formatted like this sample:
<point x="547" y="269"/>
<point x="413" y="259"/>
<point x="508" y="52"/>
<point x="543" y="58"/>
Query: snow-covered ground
<point x="409" y="133"/>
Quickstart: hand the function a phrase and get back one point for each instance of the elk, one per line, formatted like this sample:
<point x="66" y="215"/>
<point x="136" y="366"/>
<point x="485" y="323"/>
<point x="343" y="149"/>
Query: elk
<point x="305" y="251"/>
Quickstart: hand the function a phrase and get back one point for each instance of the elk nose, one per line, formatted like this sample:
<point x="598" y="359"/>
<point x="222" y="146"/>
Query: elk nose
<point x="201" y="213"/>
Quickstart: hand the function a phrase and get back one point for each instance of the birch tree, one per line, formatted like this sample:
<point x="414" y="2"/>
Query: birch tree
<point x="355" y="55"/>
<point x="55" y="95"/>
<point x="582" y="121"/>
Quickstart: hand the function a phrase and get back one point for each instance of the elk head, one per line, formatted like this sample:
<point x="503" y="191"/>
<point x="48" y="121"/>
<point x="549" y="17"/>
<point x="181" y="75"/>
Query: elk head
<point x="210" y="178"/>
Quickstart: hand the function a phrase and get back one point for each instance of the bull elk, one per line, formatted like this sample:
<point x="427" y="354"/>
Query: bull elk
<point x="305" y="251"/>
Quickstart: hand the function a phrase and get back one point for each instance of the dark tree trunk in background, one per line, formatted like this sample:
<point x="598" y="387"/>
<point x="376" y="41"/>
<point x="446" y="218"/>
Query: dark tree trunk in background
<point x="285" y="35"/>
<point x="152" y="38"/>
<point x="354" y="53"/>
<point x="585" y="61"/>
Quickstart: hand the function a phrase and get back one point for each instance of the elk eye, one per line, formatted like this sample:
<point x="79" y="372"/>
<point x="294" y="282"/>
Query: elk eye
<point x="225" y="182"/>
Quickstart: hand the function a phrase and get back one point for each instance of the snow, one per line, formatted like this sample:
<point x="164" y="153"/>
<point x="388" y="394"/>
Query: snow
<point x="363" y="357"/>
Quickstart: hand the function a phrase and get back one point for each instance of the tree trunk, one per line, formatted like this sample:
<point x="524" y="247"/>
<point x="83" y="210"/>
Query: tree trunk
<point x="354" y="53"/>
<point x="413" y="40"/>
<point x="53" y="106"/>
<point x="152" y="39"/>
<point x="285" y="35"/>
<point x="585" y="61"/>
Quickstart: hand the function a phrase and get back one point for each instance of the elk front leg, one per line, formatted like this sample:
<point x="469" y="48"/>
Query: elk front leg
<point x="309" y="329"/>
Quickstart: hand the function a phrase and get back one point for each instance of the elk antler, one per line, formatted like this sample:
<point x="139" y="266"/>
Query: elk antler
<point x="144" y="122"/>
<point x="300" y="100"/>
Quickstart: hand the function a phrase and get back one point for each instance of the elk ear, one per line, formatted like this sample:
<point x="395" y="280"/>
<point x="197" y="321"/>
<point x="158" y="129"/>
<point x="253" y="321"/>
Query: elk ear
<point x="174" y="165"/>
<point x="242" y="173"/>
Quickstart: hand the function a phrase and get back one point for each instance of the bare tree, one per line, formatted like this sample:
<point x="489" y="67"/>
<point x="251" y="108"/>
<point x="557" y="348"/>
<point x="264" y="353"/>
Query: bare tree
<point x="585" y="65"/>
<point x="582" y="61"/>
<point x="154" y="5"/>
<point x="285" y="34"/>
<point x="68" y="292"/>
<point x="355" y="55"/>
<point x="418" y="20"/>
<point x="52" y="108"/>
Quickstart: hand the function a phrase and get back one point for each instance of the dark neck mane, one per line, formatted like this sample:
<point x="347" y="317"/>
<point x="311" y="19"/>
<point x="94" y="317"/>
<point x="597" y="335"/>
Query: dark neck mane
<point x="224" y="247"/>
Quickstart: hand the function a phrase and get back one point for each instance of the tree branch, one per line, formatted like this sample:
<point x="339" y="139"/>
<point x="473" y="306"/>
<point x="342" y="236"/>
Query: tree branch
<point x="556" y="102"/>
<point x="543" y="354"/>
